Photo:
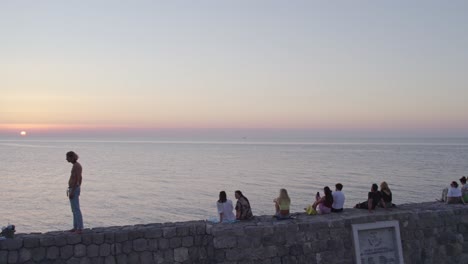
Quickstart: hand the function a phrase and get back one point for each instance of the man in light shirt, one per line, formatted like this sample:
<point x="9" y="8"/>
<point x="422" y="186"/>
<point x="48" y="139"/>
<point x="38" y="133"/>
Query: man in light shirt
<point x="338" y="199"/>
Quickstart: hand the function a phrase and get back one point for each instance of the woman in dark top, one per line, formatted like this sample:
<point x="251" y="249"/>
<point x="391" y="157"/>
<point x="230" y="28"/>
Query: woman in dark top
<point x="324" y="203"/>
<point x="243" y="210"/>
<point x="374" y="198"/>
<point x="386" y="195"/>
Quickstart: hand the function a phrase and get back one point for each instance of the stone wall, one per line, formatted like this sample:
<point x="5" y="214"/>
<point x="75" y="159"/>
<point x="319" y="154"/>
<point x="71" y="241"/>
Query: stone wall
<point x="430" y="233"/>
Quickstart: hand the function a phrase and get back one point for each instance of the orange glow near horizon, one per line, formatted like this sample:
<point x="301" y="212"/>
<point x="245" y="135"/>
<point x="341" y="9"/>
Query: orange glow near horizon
<point x="349" y="125"/>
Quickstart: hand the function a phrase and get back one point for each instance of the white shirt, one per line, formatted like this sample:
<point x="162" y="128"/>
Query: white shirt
<point x="338" y="199"/>
<point x="454" y="192"/>
<point x="226" y="209"/>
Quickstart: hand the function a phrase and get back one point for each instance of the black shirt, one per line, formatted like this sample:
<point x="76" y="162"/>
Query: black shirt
<point x="387" y="197"/>
<point x="375" y="197"/>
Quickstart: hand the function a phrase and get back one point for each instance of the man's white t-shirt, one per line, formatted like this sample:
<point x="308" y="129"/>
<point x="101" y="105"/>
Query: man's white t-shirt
<point x="454" y="192"/>
<point x="338" y="200"/>
<point x="226" y="209"/>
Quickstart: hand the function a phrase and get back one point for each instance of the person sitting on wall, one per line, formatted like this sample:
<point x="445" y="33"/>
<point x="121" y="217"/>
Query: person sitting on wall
<point x="386" y="201"/>
<point x="464" y="189"/>
<point x="374" y="197"/>
<point x="282" y="204"/>
<point x="324" y="203"/>
<point x="225" y="209"/>
<point x="454" y="194"/>
<point x="338" y="199"/>
<point x="243" y="209"/>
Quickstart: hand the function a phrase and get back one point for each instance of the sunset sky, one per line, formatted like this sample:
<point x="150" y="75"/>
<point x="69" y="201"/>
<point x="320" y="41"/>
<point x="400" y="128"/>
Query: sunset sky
<point x="340" y="67"/>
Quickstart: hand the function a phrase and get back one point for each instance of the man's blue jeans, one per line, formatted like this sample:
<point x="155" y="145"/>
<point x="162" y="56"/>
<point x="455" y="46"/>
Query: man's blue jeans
<point x="75" y="207"/>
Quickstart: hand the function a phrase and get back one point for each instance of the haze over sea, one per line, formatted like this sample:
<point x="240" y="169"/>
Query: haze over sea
<point x="130" y="181"/>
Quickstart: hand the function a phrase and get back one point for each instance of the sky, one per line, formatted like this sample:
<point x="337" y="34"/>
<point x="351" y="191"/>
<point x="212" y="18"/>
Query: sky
<point x="317" y="67"/>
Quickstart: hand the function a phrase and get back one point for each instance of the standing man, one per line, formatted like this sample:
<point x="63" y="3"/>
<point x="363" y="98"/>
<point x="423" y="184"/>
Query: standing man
<point x="74" y="185"/>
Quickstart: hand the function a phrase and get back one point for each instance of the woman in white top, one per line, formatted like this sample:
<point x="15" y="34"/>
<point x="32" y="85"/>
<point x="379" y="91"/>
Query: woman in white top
<point x="454" y="194"/>
<point x="225" y="208"/>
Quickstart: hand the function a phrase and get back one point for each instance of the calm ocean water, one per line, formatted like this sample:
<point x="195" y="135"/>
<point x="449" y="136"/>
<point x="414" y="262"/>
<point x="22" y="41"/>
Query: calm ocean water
<point x="133" y="182"/>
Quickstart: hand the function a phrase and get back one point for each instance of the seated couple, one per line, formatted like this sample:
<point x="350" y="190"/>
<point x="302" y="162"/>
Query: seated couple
<point x="225" y="208"/>
<point x="376" y="198"/>
<point x="330" y="202"/>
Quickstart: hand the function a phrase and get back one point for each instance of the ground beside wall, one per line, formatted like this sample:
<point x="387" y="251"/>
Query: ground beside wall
<point x="430" y="233"/>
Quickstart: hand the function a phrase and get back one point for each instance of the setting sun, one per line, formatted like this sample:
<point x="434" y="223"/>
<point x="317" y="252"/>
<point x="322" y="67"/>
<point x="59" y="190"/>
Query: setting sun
<point x="23" y="133"/>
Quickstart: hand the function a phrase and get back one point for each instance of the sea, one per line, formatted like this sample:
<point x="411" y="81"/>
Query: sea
<point x="130" y="181"/>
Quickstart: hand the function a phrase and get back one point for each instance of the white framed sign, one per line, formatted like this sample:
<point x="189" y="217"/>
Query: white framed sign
<point x="378" y="243"/>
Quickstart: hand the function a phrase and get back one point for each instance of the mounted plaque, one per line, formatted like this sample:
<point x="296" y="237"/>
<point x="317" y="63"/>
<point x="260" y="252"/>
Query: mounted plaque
<point x="378" y="243"/>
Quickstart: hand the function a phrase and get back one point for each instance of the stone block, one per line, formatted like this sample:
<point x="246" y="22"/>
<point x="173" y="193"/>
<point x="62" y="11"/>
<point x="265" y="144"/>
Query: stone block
<point x="87" y="238"/>
<point x="11" y="244"/>
<point x="38" y="254"/>
<point x="24" y="255"/>
<point x="446" y="238"/>
<point x="154" y="233"/>
<point x="271" y="251"/>
<point x="66" y="252"/>
<point x="201" y="230"/>
<point x="296" y="250"/>
<point x="169" y="255"/>
<point x="73" y="239"/>
<point x="97" y="260"/>
<point x="127" y="247"/>
<point x="282" y="251"/>
<point x="31" y="242"/>
<point x="163" y="243"/>
<point x="198" y="240"/>
<point x="135" y="234"/>
<point x="237" y="254"/>
<point x="47" y="241"/>
<point x="169" y="232"/>
<point x="116" y="249"/>
<point x="251" y="242"/>
<point x="3" y="256"/>
<point x="109" y="260"/>
<point x="152" y="244"/>
<point x="73" y="261"/>
<point x="181" y="254"/>
<point x="53" y="252"/>
<point x="98" y="238"/>
<point x="104" y="250"/>
<point x="175" y="242"/>
<point x="121" y="259"/>
<point x="85" y="260"/>
<point x="454" y="249"/>
<point x="146" y="257"/>
<point x="92" y="251"/>
<point x="187" y="241"/>
<point x="140" y="244"/>
<point x="133" y="258"/>
<point x="323" y="234"/>
<point x="182" y="231"/>
<point x="121" y="236"/>
<point x="60" y="241"/>
<point x="158" y="257"/>
<point x="80" y="251"/>
<point x="109" y="237"/>
<point x="12" y="256"/>
<point x="224" y="242"/>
